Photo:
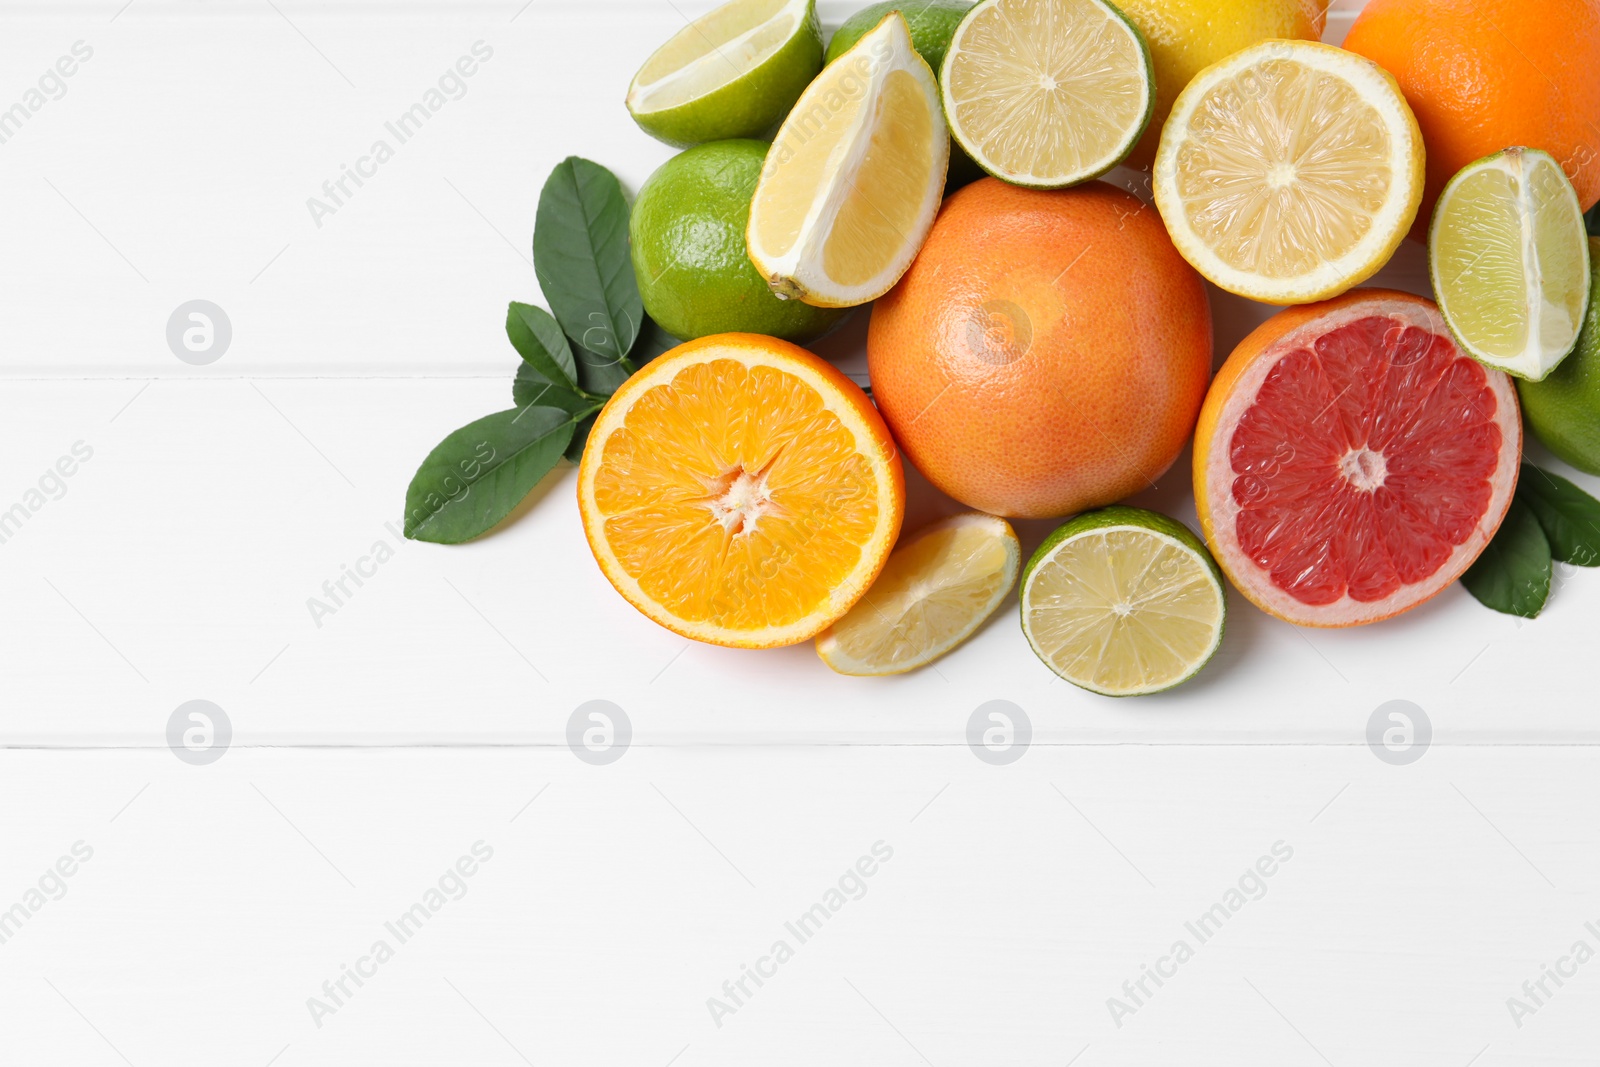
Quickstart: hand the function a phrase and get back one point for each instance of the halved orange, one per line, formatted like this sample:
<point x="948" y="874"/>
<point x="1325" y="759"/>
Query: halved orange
<point x="740" y="491"/>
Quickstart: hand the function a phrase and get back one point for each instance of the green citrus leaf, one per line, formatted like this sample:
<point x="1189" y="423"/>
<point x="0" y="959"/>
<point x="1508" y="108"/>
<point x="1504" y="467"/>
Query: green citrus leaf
<point x="602" y="375"/>
<point x="1593" y="218"/>
<point x="476" y="476"/>
<point x="537" y="337"/>
<point x="1513" y="574"/>
<point x="1569" y="517"/>
<point x="580" y="253"/>
<point x="599" y="374"/>
<point x="530" y="388"/>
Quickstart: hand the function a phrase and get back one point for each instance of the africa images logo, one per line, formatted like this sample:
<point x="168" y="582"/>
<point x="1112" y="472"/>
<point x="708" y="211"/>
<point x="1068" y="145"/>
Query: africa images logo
<point x="999" y="732"/>
<point x="451" y="885"/>
<point x="1251" y="885"/>
<point x="51" y="85"/>
<point x="451" y="85"/>
<point x="851" y="885"/>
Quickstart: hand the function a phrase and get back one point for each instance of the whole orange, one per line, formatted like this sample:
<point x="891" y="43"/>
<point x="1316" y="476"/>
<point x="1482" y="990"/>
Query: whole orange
<point x="1483" y="75"/>
<point x="1046" y="353"/>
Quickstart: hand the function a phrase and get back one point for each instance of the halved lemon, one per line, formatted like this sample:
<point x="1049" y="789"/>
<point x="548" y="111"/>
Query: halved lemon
<point x="1123" y="602"/>
<point x="853" y="180"/>
<point x="1047" y="93"/>
<point x="1510" y="262"/>
<point x="739" y="490"/>
<point x="933" y="594"/>
<point x="1290" y="171"/>
<point x="733" y="72"/>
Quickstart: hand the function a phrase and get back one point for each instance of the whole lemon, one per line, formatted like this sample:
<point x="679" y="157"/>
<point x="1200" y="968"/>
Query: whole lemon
<point x="1187" y="36"/>
<point x="689" y="254"/>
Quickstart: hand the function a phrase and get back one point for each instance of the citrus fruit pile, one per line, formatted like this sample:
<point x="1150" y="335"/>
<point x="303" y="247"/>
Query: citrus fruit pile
<point x="1040" y="342"/>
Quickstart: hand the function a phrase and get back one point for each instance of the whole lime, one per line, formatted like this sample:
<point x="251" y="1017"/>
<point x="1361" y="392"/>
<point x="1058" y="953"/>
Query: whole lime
<point x="689" y="253"/>
<point x="932" y="23"/>
<point x="1563" y="411"/>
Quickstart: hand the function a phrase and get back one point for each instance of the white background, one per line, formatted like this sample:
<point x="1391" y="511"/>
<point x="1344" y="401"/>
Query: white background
<point x="371" y="752"/>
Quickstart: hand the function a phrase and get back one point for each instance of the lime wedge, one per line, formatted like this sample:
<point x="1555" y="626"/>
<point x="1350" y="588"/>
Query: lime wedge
<point x="1047" y="93"/>
<point x="1510" y="262"/>
<point x="936" y="590"/>
<point x="733" y="72"/>
<point x="1123" y="602"/>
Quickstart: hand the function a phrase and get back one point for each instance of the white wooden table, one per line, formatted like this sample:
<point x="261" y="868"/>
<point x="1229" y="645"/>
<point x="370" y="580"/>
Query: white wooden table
<point x="372" y="749"/>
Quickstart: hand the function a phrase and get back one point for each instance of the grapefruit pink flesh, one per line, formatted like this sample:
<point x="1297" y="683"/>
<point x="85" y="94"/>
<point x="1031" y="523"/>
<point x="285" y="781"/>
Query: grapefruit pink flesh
<point x="1392" y="457"/>
<point x="1367" y="471"/>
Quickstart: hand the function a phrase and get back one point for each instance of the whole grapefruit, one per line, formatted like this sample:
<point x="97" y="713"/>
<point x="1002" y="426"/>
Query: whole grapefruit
<point x="1047" y="352"/>
<point x="1485" y="75"/>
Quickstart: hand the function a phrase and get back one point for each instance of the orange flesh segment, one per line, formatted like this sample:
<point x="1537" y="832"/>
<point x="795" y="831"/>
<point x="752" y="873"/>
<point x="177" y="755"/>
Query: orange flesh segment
<point x="734" y="497"/>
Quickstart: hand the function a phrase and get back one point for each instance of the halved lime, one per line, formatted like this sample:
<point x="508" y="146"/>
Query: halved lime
<point x="1047" y="93"/>
<point x="1510" y="262"/>
<point x="936" y="590"/>
<point x="1123" y="602"/>
<point x="733" y="72"/>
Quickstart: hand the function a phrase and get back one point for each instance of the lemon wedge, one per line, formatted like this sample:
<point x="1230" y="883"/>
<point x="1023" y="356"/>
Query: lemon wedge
<point x="1290" y="171"/>
<point x="852" y="183"/>
<point x="936" y="590"/>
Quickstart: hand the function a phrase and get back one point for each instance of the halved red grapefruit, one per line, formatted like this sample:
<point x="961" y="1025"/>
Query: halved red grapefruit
<point x="1350" y="461"/>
